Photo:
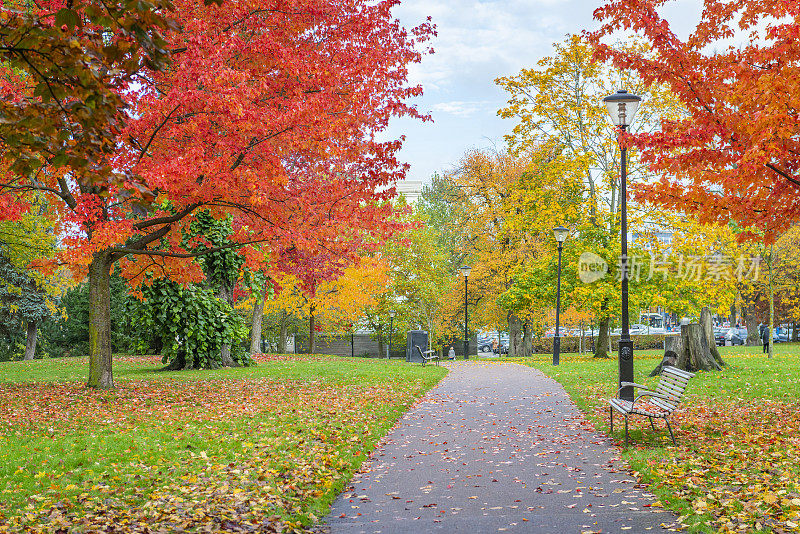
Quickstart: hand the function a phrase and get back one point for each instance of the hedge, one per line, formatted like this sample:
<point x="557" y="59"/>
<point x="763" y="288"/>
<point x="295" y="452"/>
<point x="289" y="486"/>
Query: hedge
<point x="571" y="343"/>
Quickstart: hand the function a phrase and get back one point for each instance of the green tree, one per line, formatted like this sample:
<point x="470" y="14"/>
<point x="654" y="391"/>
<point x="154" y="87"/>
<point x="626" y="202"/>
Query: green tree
<point x="221" y="262"/>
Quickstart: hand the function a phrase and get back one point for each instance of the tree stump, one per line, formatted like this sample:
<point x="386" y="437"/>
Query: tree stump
<point x="690" y="351"/>
<point x="708" y="329"/>
<point x="673" y="350"/>
<point x="695" y="347"/>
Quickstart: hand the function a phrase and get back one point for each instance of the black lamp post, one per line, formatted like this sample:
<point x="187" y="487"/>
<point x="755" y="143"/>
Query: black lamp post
<point x="622" y="107"/>
<point x="465" y="270"/>
<point x="561" y="234"/>
<point x="392" y="313"/>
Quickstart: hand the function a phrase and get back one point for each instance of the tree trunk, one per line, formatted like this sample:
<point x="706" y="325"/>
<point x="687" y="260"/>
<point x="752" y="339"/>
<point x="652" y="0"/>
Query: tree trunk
<point x="100" y="371"/>
<point x="601" y="348"/>
<point x="282" y="333"/>
<point x="226" y="294"/>
<point x="795" y="333"/>
<point x="708" y="330"/>
<point x="30" y="344"/>
<point x="514" y="336"/>
<point x="753" y="338"/>
<point x="771" y="303"/>
<point x="527" y="339"/>
<point x="381" y="344"/>
<point x="697" y="356"/>
<point x="258" y="316"/>
<point x="311" y="346"/>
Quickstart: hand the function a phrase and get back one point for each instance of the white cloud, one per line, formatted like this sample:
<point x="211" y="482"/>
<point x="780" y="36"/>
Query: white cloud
<point x="479" y="41"/>
<point x="460" y="108"/>
<point x="482" y="38"/>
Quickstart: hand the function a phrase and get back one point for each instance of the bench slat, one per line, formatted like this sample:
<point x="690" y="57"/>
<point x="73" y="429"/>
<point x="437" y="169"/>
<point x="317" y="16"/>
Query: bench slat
<point x="675" y="379"/>
<point x="666" y="389"/>
<point x="669" y="370"/>
<point x="672" y="385"/>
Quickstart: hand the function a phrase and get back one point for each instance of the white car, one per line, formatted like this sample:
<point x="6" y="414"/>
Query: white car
<point x="643" y="329"/>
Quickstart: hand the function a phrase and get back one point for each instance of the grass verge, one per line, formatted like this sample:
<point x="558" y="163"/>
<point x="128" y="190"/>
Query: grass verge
<point x="265" y="448"/>
<point x="736" y="467"/>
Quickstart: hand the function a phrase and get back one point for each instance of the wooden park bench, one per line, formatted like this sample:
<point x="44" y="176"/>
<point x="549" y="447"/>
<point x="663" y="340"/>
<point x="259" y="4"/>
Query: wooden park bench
<point x="659" y="403"/>
<point x="428" y="355"/>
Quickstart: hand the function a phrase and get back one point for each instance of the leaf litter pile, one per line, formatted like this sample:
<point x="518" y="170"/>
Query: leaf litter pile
<point x="736" y="464"/>
<point x="236" y="455"/>
<point x="739" y="462"/>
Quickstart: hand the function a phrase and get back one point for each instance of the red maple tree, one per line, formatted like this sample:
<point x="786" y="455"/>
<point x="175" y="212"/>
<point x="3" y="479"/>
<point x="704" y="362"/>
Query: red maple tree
<point x="269" y="111"/>
<point x="736" y="153"/>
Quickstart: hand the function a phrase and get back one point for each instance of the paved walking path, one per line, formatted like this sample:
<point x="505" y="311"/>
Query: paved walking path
<point x="495" y="447"/>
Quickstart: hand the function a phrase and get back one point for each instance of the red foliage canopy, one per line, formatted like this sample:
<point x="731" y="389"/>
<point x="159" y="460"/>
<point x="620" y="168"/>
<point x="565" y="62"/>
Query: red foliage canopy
<point x="736" y="154"/>
<point x="270" y="111"/>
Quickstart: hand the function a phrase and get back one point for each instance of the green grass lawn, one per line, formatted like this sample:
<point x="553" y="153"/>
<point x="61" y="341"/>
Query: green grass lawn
<point x="737" y="464"/>
<point x="207" y="450"/>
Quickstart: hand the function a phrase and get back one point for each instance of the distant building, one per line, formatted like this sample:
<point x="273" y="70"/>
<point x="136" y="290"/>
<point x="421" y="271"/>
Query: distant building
<point x="411" y="189"/>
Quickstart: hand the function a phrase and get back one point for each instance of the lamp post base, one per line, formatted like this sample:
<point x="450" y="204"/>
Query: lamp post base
<point x="556" y="350"/>
<point x="626" y="368"/>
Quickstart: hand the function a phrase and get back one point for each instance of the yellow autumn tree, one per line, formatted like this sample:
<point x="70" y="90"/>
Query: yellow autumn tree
<point x="507" y="207"/>
<point x="787" y="284"/>
<point x="27" y="289"/>
<point x="558" y="103"/>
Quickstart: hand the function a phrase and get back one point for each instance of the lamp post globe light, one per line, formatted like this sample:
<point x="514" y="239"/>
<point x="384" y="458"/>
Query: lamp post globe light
<point x="465" y="270"/>
<point x="392" y="313"/>
<point x="621" y="107"/>
<point x="561" y="234"/>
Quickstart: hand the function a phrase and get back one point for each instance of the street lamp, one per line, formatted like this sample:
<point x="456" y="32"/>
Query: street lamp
<point x="392" y="313"/>
<point x="465" y="270"/>
<point x="561" y="234"/>
<point x="622" y="106"/>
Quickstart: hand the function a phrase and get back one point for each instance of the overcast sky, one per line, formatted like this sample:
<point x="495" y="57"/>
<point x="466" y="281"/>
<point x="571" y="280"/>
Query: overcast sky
<point x="478" y="41"/>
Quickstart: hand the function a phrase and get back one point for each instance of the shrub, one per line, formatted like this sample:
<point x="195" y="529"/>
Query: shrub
<point x="192" y="324"/>
<point x="572" y="343"/>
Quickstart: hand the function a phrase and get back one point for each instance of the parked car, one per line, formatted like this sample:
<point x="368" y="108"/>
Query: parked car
<point x="484" y="345"/>
<point x="736" y="336"/>
<point x="643" y="329"/>
<point x="780" y="335"/>
<point x="487" y="339"/>
<point x="719" y="334"/>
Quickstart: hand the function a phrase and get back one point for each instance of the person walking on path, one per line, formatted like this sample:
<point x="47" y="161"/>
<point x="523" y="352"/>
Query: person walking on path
<point x="452" y="354"/>
<point x="495" y="447"/>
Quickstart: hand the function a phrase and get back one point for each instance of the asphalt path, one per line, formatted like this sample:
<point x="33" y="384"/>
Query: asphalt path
<point x="495" y="447"/>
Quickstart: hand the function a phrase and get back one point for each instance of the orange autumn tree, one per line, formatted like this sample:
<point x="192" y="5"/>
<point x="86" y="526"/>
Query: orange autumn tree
<point x="358" y="296"/>
<point x="269" y="113"/>
<point x="506" y="211"/>
<point x="735" y="154"/>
